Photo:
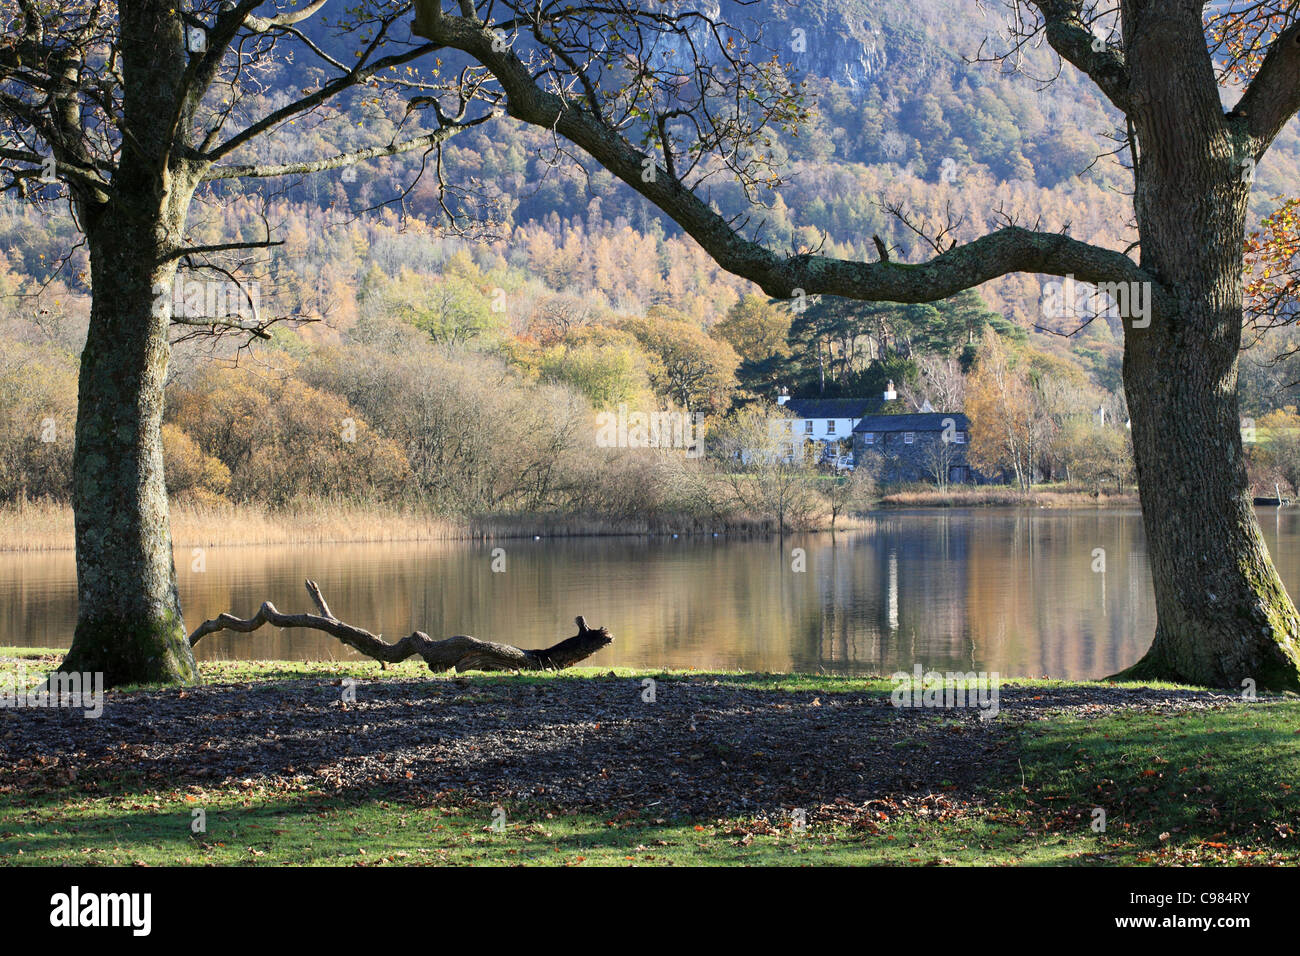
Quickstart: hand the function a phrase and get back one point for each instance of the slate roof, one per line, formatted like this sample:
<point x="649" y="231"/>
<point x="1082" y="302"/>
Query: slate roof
<point x="926" y="422"/>
<point x="832" y="407"/>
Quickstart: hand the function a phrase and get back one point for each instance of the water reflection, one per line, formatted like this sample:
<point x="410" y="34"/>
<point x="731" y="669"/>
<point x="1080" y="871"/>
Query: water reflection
<point x="1010" y="590"/>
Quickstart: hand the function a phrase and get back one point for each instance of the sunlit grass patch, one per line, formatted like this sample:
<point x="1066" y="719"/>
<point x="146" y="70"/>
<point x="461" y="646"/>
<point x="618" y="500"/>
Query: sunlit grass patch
<point x="27" y="665"/>
<point x="1218" y="784"/>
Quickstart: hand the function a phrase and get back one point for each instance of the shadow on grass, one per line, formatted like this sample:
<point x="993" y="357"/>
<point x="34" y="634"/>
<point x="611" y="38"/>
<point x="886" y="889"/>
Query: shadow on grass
<point x="286" y="775"/>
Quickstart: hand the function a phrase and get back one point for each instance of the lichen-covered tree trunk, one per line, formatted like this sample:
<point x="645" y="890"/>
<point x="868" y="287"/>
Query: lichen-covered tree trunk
<point x="1223" y="614"/>
<point x="129" y="623"/>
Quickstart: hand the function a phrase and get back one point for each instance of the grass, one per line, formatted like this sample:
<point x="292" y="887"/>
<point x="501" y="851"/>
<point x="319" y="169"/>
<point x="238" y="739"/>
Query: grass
<point x="1198" y="787"/>
<point x="1212" y="786"/>
<point x="256" y="826"/>
<point x="37" y="659"/>
<point x="27" y="653"/>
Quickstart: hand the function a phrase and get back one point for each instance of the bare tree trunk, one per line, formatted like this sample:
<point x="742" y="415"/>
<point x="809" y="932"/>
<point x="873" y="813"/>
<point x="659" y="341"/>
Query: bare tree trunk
<point x="1223" y="614"/>
<point x="460" y="652"/>
<point x="129" y="623"/>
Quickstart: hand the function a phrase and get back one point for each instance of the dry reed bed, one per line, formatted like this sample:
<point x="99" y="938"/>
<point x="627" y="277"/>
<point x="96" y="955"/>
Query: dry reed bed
<point x="43" y="526"/>
<point x="967" y="497"/>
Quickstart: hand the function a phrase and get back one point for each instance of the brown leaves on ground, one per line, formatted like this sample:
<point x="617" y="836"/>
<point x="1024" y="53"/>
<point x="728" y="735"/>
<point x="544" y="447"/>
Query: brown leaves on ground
<point x="704" y="747"/>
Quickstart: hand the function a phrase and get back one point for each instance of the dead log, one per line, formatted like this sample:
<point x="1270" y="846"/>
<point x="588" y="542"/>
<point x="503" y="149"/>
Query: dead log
<point x="461" y="652"/>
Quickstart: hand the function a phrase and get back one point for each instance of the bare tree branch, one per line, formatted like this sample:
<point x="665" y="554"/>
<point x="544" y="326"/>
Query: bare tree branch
<point x="1069" y="31"/>
<point x="268" y="170"/>
<point x="461" y="652"/>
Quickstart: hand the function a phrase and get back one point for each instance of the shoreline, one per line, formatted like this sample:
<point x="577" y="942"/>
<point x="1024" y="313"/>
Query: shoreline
<point x="46" y="527"/>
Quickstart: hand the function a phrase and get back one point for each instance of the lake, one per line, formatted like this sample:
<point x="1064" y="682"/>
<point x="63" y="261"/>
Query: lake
<point x="1024" y="592"/>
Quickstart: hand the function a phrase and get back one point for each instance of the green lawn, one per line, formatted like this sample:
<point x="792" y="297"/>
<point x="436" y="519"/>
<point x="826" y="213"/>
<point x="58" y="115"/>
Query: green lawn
<point x="1219" y="785"/>
<point x="1203" y="786"/>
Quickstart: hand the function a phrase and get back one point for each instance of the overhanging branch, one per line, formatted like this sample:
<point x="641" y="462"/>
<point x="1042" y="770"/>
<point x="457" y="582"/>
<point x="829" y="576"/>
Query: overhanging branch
<point x="288" y="18"/>
<point x="1008" y="250"/>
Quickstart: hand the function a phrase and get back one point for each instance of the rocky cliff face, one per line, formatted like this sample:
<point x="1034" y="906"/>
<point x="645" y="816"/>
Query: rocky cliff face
<point x="844" y="40"/>
<point x="852" y="61"/>
<point x="823" y="38"/>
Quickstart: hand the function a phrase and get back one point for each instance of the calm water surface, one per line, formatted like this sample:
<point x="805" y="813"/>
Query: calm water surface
<point x="1007" y="590"/>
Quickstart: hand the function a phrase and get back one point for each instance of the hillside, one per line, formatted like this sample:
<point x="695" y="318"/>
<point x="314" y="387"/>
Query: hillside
<point x="904" y="117"/>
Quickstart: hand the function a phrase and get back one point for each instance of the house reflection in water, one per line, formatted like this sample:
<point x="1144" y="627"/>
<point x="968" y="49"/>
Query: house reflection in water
<point x="1020" y="592"/>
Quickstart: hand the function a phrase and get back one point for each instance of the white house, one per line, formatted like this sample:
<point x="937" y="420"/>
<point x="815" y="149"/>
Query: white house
<point x="829" y="421"/>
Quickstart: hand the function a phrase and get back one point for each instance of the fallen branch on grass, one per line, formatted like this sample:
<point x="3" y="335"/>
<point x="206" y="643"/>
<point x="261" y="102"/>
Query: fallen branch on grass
<point x="460" y="652"/>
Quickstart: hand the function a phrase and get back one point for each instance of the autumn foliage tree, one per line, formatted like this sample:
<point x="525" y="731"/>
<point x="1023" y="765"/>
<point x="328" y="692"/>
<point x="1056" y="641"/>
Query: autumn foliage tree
<point x="192" y="475"/>
<point x="1275" y="450"/>
<point x="279" y="439"/>
<point x="756" y="328"/>
<point x="688" y="366"/>
<point x="1008" y="425"/>
<point x="38" y="396"/>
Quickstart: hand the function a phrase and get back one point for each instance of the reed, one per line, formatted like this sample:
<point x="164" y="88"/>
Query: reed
<point x="35" y="526"/>
<point x="45" y="526"/>
<point x="1059" y="496"/>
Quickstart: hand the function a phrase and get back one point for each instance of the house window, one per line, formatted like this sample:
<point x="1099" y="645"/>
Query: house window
<point x="868" y="438"/>
<point x="909" y="437"/>
<point x="808" y="426"/>
<point x="830" y="427"/>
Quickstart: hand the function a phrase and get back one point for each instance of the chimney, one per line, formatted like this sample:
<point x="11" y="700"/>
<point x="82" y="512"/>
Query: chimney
<point x="890" y="394"/>
<point x="783" y="397"/>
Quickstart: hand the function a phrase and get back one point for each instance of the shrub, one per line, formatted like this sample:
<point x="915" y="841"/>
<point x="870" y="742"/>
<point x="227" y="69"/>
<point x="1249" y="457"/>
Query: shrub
<point x="38" y="411"/>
